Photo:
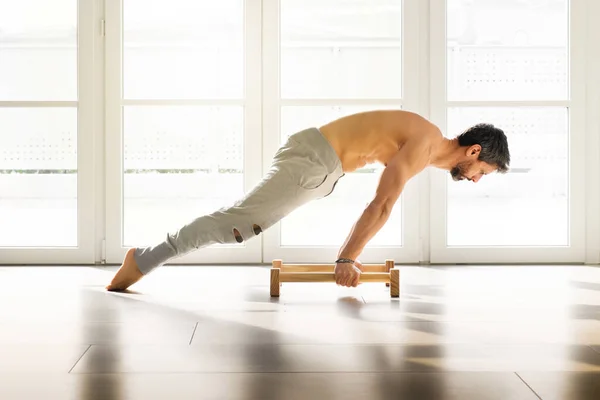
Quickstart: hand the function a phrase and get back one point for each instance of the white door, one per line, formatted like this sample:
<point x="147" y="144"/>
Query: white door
<point x="323" y="60"/>
<point x="183" y="118"/>
<point x="46" y="132"/>
<point x="526" y="78"/>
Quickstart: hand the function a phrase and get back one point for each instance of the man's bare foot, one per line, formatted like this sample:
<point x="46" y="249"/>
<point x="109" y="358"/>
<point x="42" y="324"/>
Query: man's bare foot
<point x="127" y="275"/>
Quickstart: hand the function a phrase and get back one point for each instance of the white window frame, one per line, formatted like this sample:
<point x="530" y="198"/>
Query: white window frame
<point x="575" y="252"/>
<point x="249" y="251"/>
<point x="83" y="253"/>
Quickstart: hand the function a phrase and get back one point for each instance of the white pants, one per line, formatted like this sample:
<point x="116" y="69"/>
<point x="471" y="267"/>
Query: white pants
<point x="305" y="168"/>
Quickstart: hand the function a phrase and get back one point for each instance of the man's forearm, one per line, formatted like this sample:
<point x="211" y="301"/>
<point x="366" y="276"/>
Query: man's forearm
<point x="370" y="222"/>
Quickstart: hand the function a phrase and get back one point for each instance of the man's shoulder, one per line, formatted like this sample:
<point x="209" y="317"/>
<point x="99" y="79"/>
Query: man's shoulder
<point x="422" y="142"/>
<point x="425" y="135"/>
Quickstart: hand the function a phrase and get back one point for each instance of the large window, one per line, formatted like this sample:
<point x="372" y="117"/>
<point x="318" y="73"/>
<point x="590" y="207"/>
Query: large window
<point x="324" y="60"/>
<point x="491" y="61"/>
<point x="38" y="123"/>
<point x="516" y="76"/>
<point x="183" y="116"/>
<point x="333" y="51"/>
<point x="122" y="120"/>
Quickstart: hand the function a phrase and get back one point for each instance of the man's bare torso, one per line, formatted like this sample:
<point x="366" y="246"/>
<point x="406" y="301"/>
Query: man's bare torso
<point x="374" y="136"/>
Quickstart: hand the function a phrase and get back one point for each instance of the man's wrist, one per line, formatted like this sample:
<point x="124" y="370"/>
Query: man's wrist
<point x="343" y="260"/>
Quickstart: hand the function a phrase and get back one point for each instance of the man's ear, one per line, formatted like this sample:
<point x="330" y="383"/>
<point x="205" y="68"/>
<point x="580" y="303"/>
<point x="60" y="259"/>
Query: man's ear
<point x="474" y="150"/>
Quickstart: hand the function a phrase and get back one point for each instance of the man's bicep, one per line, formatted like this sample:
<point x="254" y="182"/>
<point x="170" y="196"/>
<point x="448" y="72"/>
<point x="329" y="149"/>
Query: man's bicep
<point x="405" y="164"/>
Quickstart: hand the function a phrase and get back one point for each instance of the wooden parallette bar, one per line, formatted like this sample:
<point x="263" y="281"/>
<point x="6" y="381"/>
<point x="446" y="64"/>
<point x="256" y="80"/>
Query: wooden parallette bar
<point x="281" y="272"/>
<point x="330" y="277"/>
<point x="328" y="268"/>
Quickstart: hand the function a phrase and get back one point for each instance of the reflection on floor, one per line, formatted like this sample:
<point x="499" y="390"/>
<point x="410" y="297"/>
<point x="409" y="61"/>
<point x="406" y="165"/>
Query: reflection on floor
<point x="214" y="333"/>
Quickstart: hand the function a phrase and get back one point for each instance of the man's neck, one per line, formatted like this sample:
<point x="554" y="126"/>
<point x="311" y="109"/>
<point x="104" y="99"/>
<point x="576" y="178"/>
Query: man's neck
<point x="446" y="155"/>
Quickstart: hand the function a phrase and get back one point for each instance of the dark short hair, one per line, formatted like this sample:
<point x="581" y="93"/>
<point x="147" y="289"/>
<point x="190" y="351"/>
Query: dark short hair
<point x="493" y="142"/>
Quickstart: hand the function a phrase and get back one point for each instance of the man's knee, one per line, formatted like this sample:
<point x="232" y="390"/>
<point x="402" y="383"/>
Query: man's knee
<point x="239" y="237"/>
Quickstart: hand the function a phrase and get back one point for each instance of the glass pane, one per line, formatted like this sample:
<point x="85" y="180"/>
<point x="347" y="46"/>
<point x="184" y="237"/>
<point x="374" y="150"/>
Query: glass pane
<point x="183" y="49"/>
<point x="335" y="214"/>
<point x="508" y="50"/>
<point x="38" y="40"/>
<point x="38" y="177"/>
<point x="341" y="49"/>
<point x="528" y="206"/>
<point x="181" y="162"/>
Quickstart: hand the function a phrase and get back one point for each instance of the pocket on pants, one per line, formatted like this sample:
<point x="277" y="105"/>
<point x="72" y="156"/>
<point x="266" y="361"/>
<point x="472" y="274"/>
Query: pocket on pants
<point x="312" y="182"/>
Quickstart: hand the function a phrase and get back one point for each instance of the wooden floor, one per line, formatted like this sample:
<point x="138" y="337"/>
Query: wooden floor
<point x="214" y="333"/>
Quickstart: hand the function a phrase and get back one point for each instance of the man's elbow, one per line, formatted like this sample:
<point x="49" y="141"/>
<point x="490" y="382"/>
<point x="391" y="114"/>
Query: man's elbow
<point x="382" y="207"/>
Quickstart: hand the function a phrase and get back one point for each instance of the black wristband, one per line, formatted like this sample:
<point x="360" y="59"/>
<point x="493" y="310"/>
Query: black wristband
<point x="344" y="260"/>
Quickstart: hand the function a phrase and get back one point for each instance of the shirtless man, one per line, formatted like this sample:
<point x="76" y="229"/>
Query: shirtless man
<point x="308" y="166"/>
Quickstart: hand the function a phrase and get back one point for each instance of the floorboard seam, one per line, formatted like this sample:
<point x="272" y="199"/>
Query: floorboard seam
<point x="526" y="384"/>
<point x="193" y="333"/>
<point x="79" y="359"/>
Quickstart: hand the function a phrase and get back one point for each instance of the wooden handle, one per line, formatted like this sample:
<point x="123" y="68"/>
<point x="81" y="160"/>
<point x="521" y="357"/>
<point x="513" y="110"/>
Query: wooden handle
<point x="326" y="268"/>
<point x="329" y="277"/>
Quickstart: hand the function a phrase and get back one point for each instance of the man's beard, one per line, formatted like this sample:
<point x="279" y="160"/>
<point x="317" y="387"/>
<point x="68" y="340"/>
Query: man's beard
<point x="457" y="172"/>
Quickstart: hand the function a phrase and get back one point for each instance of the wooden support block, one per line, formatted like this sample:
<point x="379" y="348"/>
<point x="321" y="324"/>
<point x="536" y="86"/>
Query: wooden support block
<point x="275" y="282"/>
<point x="389" y="265"/>
<point x="395" y="282"/>
<point x="278" y="264"/>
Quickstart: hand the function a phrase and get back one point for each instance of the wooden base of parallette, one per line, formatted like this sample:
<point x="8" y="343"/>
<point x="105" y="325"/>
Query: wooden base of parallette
<point x="280" y="273"/>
